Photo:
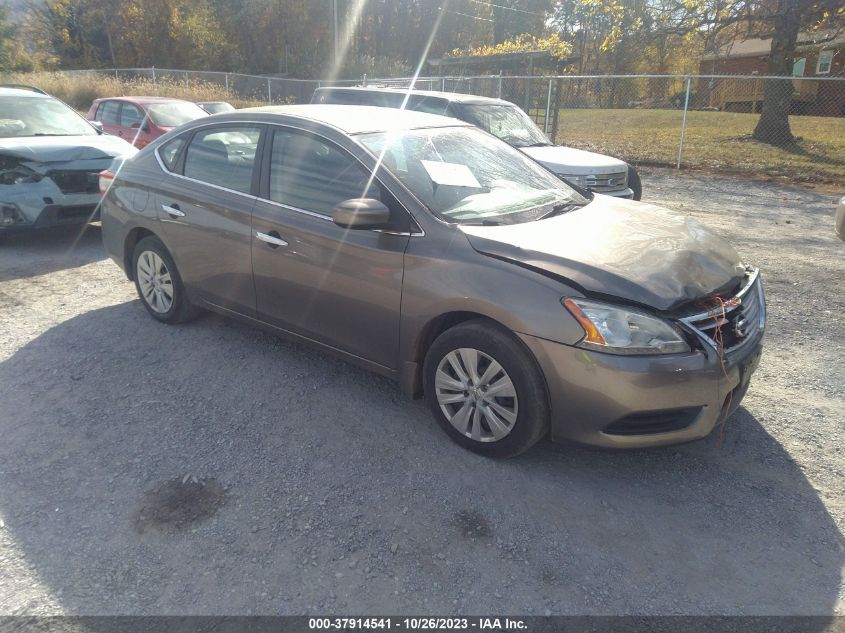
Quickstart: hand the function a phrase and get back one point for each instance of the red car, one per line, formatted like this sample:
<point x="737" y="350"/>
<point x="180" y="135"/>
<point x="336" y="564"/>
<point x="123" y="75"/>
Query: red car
<point x="140" y="120"/>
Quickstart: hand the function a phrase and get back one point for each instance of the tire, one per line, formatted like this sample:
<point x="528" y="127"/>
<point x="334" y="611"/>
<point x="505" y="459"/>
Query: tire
<point x="485" y="427"/>
<point x="634" y="182"/>
<point x="152" y="256"/>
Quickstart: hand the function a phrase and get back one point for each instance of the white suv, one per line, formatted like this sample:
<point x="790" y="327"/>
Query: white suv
<point x="596" y="172"/>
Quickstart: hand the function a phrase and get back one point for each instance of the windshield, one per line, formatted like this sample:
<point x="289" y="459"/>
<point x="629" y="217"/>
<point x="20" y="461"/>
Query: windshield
<point x="507" y="122"/>
<point x="37" y="116"/>
<point x="174" y="114"/>
<point x="465" y="175"/>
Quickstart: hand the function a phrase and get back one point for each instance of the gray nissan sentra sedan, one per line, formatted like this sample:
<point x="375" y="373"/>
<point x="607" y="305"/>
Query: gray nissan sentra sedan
<point x="427" y="250"/>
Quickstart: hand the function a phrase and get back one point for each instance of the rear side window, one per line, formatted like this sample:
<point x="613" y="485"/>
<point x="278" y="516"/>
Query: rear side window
<point x="361" y="97"/>
<point x="130" y="114"/>
<point x="344" y="97"/>
<point x="309" y="173"/>
<point x="109" y="112"/>
<point x="169" y="152"/>
<point x="432" y="105"/>
<point x="223" y="156"/>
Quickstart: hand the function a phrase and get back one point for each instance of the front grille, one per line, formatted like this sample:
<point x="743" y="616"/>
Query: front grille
<point x="727" y="324"/>
<point x="606" y="182"/>
<point x="76" y="181"/>
<point x="599" y="182"/>
<point x="652" y="422"/>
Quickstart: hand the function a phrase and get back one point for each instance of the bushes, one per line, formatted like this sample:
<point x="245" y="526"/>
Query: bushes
<point x="80" y="89"/>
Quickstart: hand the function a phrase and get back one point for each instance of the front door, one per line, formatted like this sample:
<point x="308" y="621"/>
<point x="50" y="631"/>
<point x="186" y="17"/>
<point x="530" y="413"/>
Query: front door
<point x="338" y="286"/>
<point x="134" y="125"/>
<point x="205" y="209"/>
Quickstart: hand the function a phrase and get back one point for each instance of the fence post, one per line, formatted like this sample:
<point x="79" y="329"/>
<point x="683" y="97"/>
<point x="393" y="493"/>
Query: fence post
<point x="269" y="94"/>
<point x="499" y="94"/>
<point x="364" y="80"/>
<point x="443" y="84"/>
<point x="115" y="74"/>
<point x="154" y="75"/>
<point x="227" y="83"/>
<point x="684" y="122"/>
<point x="548" y="108"/>
<point x="187" y="82"/>
<point x="527" y="97"/>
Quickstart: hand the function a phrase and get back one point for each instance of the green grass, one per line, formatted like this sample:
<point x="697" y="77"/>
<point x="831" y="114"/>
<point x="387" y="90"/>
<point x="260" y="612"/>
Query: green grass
<point x="718" y="141"/>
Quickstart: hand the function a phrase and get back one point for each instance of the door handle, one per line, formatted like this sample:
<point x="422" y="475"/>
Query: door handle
<point x="173" y="210"/>
<point x="272" y="238"/>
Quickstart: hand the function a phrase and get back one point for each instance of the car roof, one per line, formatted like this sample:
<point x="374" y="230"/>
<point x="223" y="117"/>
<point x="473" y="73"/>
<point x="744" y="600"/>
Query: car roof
<point x="16" y="92"/>
<point x="355" y="119"/>
<point x="452" y="97"/>
<point x="144" y="100"/>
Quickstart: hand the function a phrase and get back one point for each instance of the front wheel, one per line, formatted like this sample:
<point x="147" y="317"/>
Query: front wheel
<point x="486" y="390"/>
<point x="634" y="182"/>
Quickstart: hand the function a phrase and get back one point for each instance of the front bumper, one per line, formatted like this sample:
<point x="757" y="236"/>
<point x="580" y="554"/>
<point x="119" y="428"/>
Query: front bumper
<point x="42" y="204"/>
<point x="640" y="401"/>
<point x="626" y="193"/>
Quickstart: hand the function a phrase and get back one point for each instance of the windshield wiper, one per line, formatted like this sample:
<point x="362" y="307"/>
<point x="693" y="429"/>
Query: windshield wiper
<point x="483" y="223"/>
<point x="540" y="144"/>
<point x="560" y="208"/>
<point x="49" y="134"/>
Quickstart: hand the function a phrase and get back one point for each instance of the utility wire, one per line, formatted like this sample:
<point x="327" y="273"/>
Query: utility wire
<point x="506" y="8"/>
<point x="466" y="15"/>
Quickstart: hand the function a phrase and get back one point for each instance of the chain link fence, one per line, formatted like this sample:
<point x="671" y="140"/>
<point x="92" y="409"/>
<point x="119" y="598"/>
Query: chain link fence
<point x="699" y="121"/>
<point x="237" y="87"/>
<point x="695" y="121"/>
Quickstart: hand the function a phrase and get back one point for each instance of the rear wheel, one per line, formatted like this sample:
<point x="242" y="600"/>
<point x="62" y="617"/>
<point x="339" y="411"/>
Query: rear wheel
<point x="486" y="390"/>
<point x="158" y="283"/>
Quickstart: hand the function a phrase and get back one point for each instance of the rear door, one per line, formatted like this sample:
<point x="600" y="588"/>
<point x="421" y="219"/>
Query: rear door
<point x="338" y="286"/>
<point x="109" y="115"/>
<point x="205" y="208"/>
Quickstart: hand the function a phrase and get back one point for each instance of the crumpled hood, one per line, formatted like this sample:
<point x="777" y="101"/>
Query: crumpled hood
<point x="637" y="252"/>
<point x="64" y="149"/>
<point x="575" y="162"/>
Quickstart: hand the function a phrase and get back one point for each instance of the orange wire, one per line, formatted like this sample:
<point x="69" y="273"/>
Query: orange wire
<point x="718" y="338"/>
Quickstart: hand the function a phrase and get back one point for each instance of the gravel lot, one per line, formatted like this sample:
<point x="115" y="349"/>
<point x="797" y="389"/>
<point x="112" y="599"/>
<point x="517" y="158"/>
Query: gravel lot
<point x="322" y="490"/>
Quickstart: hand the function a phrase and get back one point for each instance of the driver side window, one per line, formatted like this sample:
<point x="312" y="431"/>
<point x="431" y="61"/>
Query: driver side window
<point x="310" y="173"/>
<point x="130" y="114"/>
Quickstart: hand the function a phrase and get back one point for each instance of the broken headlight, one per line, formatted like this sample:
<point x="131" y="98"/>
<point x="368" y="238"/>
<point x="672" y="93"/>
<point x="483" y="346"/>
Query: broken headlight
<point x="12" y="172"/>
<point x="621" y="330"/>
<point x="8" y="214"/>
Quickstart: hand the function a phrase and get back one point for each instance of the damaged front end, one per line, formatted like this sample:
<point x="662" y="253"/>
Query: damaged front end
<point x="39" y="194"/>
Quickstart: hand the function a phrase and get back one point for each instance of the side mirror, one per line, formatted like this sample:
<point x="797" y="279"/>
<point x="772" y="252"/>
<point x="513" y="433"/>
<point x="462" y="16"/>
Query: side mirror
<point x="97" y="125"/>
<point x="361" y="213"/>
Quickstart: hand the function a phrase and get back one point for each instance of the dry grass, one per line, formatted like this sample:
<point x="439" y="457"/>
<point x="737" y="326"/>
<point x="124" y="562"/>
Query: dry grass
<point x="79" y="90"/>
<point x="719" y="141"/>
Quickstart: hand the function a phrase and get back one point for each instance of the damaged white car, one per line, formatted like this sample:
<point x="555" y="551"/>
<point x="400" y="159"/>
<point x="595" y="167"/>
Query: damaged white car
<point x="50" y="160"/>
